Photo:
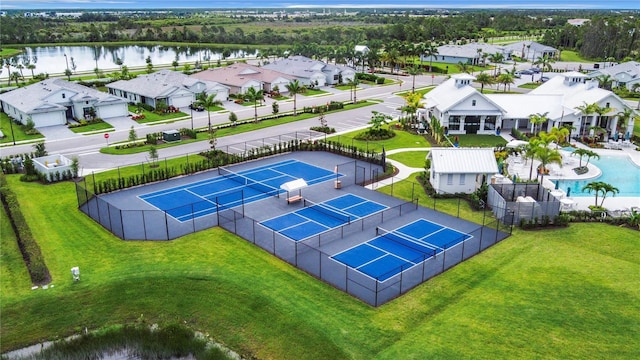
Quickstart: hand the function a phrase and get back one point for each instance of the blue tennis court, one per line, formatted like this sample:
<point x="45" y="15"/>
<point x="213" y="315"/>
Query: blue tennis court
<point x="314" y="219"/>
<point x="391" y="252"/>
<point x="229" y="190"/>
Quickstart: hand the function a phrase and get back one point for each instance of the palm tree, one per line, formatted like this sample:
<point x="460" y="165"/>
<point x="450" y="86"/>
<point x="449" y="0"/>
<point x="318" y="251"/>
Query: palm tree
<point x="429" y="50"/>
<point x="560" y="134"/>
<point x="605" y="81"/>
<point x="208" y="102"/>
<point x="353" y="83"/>
<point x="547" y="156"/>
<point x="536" y="119"/>
<point x="585" y="152"/>
<point x="31" y="67"/>
<point x="623" y="118"/>
<point x="586" y="110"/>
<point x="294" y="89"/>
<point x="464" y="67"/>
<point x="601" y="111"/>
<point x="505" y="79"/>
<point x="545" y="63"/>
<point x="413" y="71"/>
<point x="255" y="96"/>
<point x="530" y="153"/>
<point x="391" y="57"/>
<point x="600" y="187"/>
<point x="484" y="79"/>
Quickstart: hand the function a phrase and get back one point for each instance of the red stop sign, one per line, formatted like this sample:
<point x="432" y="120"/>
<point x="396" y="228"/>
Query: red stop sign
<point x="106" y="136"/>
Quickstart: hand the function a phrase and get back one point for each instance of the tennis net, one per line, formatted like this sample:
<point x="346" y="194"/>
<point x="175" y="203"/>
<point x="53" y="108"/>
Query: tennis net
<point x="406" y="240"/>
<point x="328" y="210"/>
<point x="246" y="181"/>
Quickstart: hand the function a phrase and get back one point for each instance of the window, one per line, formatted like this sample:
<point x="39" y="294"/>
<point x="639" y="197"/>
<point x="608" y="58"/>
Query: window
<point x="473" y="103"/>
<point x="454" y="122"/>
<point x="490" y="123"/>
<point x="462" y="179"/>
<point x="450" y="179"/>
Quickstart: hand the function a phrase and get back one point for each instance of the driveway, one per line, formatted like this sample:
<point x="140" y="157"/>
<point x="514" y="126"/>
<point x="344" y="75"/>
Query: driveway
<point x="56" y="132"/>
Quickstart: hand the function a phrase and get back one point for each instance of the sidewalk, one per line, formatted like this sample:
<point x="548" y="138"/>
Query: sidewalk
<point x="404" y="171"/>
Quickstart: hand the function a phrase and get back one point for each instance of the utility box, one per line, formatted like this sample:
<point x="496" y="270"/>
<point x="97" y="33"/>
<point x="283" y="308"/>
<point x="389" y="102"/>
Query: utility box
<point x="171" y="135"/>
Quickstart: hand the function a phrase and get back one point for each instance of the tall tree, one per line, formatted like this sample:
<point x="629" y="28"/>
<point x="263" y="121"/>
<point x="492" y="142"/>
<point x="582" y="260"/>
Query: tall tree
<point x="537" y="119"/>
<point x="544" y="62"/>
<point x="254" y="96"/>
<point x="484" y="79"/>
<point x="294" y="89"/>
<point x="413" y="71"/>
<point x="208" y="101"/>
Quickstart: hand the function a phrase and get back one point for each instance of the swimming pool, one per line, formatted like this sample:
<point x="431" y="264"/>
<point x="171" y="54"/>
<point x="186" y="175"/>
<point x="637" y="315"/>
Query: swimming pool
<point x="617" y="170"/>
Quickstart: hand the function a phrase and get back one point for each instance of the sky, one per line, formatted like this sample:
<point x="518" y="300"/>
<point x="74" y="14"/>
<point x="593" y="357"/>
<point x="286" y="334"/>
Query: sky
<point x="450" y="4"/>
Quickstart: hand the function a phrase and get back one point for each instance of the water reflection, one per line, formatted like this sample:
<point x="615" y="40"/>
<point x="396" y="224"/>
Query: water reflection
<point x="51" y="59"/>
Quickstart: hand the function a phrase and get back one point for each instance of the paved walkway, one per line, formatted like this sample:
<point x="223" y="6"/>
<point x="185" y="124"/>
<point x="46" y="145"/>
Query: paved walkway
<point x="404" y="171"/>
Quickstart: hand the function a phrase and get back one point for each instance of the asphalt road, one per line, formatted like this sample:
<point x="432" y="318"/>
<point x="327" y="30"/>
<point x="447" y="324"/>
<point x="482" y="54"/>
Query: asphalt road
<point x="59" y="140"/>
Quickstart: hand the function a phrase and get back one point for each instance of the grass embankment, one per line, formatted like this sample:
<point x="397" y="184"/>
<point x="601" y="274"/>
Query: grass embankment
<point x="103" y="125"/>
<point x="573" y="56"/>
<point x="561" y="293"/>
<point x="414" y="159"/>
<point x="18" y="131"/>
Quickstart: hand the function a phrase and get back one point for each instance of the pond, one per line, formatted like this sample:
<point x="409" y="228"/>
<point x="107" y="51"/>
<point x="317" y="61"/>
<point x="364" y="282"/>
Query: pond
<point x="52" y="59"/>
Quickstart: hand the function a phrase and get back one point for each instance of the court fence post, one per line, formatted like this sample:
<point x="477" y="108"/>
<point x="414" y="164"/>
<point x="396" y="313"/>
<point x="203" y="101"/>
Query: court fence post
<point x="144" y="226"/>
<point x="166" y="224"/>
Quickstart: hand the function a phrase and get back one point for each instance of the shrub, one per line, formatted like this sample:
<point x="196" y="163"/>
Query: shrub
<point x="28" y="246"/>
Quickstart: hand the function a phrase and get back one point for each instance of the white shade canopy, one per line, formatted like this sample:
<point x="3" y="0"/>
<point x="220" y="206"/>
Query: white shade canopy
<point x="294" y="185"/>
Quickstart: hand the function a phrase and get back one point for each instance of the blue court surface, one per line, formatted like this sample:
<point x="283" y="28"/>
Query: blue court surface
<point x="314" y="219"/>
<point x="204" y="197"/>
<point x="390" y="253"/>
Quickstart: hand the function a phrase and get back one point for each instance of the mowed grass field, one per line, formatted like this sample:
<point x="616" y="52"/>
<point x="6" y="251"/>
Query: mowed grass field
<point x="561" y="293"/>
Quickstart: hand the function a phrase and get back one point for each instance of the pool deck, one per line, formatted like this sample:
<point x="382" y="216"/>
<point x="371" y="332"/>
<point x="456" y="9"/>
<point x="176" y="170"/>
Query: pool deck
<point x="521" y="168"/>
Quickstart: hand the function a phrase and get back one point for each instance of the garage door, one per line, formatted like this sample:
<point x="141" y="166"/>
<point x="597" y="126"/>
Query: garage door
<point x="115" y="110"/>
<point x="49" y="119"/>
<point x="181" y="101"/>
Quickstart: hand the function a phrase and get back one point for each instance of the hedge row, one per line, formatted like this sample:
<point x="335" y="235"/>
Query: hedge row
<point x="28" y="246"/>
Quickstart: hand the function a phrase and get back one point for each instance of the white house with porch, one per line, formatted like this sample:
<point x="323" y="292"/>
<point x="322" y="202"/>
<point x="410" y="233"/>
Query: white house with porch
<point x="461" y="170"/>
<point x="55" y="101"/>
<point x="462" y="109"/>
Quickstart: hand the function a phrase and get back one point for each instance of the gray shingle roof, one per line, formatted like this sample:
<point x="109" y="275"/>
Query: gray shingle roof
<point x="159" y="84"/>
<point x="32" y="98"/>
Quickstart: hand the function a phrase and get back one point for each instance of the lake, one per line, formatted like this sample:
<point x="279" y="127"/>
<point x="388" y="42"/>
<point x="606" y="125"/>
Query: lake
<point x="52" y="60"/>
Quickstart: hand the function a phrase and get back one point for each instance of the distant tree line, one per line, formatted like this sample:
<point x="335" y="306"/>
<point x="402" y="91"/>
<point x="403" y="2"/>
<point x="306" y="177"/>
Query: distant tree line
<point x="608" y="35"/>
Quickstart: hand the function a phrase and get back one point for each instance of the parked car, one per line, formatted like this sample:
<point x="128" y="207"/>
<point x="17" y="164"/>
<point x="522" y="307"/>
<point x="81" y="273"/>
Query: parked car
<point x="535" y="70"/>
<point x="196" y="107"/>
<point x="524" y="72"/>
<point x="544" y="79"/>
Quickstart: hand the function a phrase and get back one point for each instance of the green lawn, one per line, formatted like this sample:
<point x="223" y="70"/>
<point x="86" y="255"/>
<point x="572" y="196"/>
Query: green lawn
<point x="532" y="85"/>
<point x="564" y="293"/>
<point x="314" y="92"/>
<point x="18" y="132"/>
<point x="413" y="159"/>
<point x="420" y="91"/>
<point x="92" y="127"/>
<point x="402" y="139"/>
<point x="9" y="52"/>
<point x="142" y="168"/>
<point x="474" y="140"/>
<point x="150" y="116"/>
<point x="573" y="56"/>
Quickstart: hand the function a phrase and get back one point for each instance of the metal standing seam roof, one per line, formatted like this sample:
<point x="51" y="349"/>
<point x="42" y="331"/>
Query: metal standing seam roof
<point x="463" y="161"/>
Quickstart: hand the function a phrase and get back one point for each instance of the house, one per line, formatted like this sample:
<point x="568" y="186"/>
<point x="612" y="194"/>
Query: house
<point x="239" y="77"/>
<point x="461" y="170"/>
<point x="472" y="53"/>
<point x="172" y="87"/>
<point x="531" y="50"/>
<point x="462" y="109"/>
<point x="577" y="22"/>
<point x="54" y="101"/>
<point x="625" y="74"/>
<point x="312" y="73"/>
